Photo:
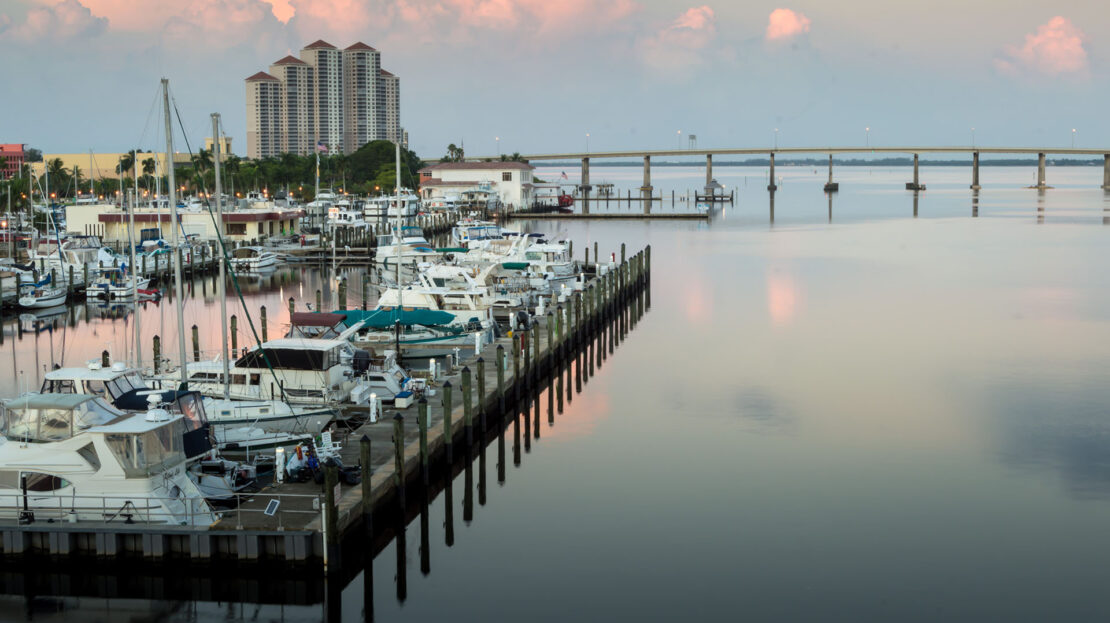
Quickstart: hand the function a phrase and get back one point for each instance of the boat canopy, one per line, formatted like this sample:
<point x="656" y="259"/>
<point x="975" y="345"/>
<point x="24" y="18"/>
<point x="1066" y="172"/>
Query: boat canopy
<point x="385" y="318"/>
<point x="54" y="417"/>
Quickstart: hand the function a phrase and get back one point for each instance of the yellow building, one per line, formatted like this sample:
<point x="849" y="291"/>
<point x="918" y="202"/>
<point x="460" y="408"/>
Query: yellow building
<point x="100" y="166"/>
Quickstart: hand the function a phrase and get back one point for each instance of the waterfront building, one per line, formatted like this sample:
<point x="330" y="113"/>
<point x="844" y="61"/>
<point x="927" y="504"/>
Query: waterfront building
<point x="510" y="182"/>
<point x="296" y="130"/>
<point x="338" y="99"/>
<point x="326" y="93"/>
<point x="252" y="222"/>
<point x="11" y="159"/>
<point x="98" y="166"/>
<point x="391" y="99"/>
<point x="263" y="115"/>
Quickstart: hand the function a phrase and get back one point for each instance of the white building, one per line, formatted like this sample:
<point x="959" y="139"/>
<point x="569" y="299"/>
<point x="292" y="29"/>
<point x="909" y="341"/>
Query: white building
<point x="261" y="220"/>
<point x="511" y="182"/>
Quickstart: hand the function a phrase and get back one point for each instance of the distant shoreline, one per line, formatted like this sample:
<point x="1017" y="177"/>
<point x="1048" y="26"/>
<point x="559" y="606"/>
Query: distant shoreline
<point x="819" y="162"/>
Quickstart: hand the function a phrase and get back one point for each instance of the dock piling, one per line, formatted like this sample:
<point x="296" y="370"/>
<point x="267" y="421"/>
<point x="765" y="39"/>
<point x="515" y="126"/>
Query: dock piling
<point x="399" y="459"/>
<point x="367" y="489"/>
<point x="422" y="425"/>
<point x="262" y="322"/>
<point x="448" y="437"/>
<point x="468" y="423"/>
<point x="196" y="343"/>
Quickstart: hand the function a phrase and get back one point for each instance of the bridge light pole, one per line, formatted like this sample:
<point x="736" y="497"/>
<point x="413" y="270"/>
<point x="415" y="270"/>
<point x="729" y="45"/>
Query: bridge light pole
<point x="497" y="139"/>
<point x="587" y="142"/>
<point x="1073" y="138"/>
<point x="776" y="138"/>
<point x="680" y="139"/>
<point x="867" y="136"/>
<point x="973" y="137"/>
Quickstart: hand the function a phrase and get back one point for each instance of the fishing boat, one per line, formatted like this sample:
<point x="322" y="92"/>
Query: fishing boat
<point x="42" y="297"/>
<point x="74" y="457"/>
<point x="253" y="259"/>
<point x="403" y="204"/>
<point x="112" y="285"/>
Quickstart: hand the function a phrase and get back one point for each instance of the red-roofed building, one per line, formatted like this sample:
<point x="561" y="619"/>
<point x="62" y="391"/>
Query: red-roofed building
<point x="11" y="159"/>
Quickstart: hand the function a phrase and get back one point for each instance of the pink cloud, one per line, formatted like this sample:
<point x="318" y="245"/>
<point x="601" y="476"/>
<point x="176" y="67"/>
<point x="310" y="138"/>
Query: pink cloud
<point x="784" y="24"/>
<point x="1055" y="49"/>
<point x="66" y="19"/>
<point x="681" y="43"/>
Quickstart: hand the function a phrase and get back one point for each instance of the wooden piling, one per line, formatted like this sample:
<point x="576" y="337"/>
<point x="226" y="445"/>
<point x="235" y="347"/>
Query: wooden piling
<point x="262" y="322"/>
<point x="319" y="301"/>
<point x="448" y="438"/>
<point x="331" y="480"/>
<point x="468" y="423"/>
<point x="367" y="488"/>
<point x="501" y="378"/>
<point x="399" y="458"/>
<point x="105" y="361"/>
<point x="422" y="426"/>
<point x="292" y="307"/>
<point x="234" y="331"/>
<point x="157" y="354"/>
<point x="343" y="294"/>
<point x="196" y="343"/>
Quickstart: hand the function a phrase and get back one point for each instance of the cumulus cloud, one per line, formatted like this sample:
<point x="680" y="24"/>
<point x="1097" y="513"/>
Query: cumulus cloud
<point x="683" y="42"/>
<point x="453" y="20"/>
<point x="57" y="21"/>
<point x="1055" y="49"/>
<point x="786" y="24"/>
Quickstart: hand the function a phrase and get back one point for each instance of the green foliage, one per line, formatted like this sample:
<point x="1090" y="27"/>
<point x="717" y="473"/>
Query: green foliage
<point x="454" y="154"/>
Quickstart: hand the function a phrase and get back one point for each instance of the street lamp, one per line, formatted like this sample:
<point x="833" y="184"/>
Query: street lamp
<point x="498" y="139"/>
<point x="867" y="136"/>
<point x="776" y="138"/>
<point x="1073" y="138"/>
<point x="680" y="139"/>
<point x="587" y="142"/>
<point x="973" y="137"/>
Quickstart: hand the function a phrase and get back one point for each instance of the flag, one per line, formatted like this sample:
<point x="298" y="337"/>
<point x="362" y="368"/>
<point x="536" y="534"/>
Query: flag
<point x="564" y="175"/>
<point x="322" y="147"/>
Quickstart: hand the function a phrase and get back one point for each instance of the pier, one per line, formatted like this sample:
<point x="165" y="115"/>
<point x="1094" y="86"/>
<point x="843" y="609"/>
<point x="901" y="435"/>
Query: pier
<point x="399" y="455"/>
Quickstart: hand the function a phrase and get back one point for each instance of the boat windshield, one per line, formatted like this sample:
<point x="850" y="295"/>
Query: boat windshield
<point x="121" y="385"/>
<point x="191" y="406"/>
<point x="145" y="454"/>
<point x="42" y="422"/>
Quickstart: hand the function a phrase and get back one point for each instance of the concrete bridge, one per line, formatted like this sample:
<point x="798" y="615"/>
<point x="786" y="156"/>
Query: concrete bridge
<point x="831" y="185"/>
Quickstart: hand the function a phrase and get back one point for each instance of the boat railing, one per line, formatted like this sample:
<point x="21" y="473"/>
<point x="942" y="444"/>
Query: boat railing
<point x="256" y="511"/>
<point x="114" y="509"/>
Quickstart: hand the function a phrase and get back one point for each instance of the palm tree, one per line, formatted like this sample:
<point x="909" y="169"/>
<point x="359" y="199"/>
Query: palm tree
<point x="126" y="161"/>
<point x="57" y="171"/>
<point x="148" y="171"/>
<point x="76" y="180"/>
<point x="203" y="160"/>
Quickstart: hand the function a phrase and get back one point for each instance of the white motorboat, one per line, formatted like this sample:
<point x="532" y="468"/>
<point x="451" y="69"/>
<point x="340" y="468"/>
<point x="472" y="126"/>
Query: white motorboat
<point x="297" y="371"/>
<point x="253" y="259"/>
<point x="405" y="204"/>
<point x="112" y="285"/>
<point x="74" y="457"/>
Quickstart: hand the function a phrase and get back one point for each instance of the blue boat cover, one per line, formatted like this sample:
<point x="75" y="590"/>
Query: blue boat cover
<point x="383" y="318"/>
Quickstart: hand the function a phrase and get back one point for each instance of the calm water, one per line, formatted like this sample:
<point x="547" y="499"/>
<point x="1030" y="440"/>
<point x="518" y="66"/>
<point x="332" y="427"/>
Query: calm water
<point x="869" y="409"/>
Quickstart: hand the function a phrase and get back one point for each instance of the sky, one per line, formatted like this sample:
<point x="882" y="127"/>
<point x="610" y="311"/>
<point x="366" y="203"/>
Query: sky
<point x="536" y="76"/>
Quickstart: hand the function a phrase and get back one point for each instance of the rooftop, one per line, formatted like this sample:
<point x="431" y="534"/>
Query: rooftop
<point x="496" y="165"/>
<point x="319" y="43"/>
<point x="261" y="76"/>
<point x="360" y="46"/>
<point x="386" y="73"/>
<point x="291" y="60"/>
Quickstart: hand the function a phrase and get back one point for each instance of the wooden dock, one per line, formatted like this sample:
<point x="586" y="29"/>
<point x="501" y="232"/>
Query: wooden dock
<point x="400" y="454"/>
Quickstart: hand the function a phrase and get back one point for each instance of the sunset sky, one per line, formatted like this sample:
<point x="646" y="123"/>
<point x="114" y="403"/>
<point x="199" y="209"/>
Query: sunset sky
<point x="540" y="74"/>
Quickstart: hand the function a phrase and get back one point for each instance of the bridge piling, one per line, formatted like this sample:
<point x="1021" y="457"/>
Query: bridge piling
<point x="1040" y="172"/>
<point x="708" y="171"/>
<point x="1106" y="172"/>
<point x="975" y="171"/>
<point x="584" y="186"/>
<point x="645" y="190"/>
<point x="915" y="185"/>
<point x="831" y="186"/>
<point x="771" y="186"/>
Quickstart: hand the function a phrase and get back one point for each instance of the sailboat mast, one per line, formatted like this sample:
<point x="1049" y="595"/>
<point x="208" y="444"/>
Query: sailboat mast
<point x="221" y="287"/>
<point x="178" y="291"/>
<point x="134" y="270"/>
<point x="397" y="242"/>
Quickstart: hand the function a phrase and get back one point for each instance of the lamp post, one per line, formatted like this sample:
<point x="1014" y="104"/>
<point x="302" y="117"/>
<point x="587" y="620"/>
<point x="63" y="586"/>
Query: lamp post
<point x="973" y="137"/>
<point x="680" y="139"/>
<point x="1073" y="138"/>
<point x="776" y="138"/>
<point x="498" y="140"/>
<point x="587" y="142"/>
<point x="867" y="136"/>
